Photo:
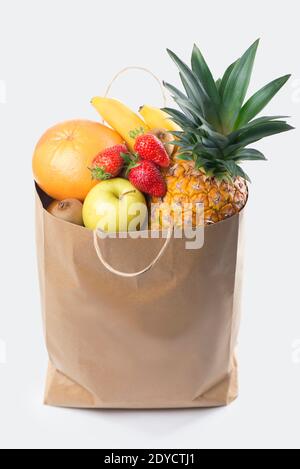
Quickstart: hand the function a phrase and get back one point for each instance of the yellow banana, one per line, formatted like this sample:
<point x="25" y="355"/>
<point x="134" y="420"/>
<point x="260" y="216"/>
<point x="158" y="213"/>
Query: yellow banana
<point x="122" y="119"/>
<point x="157" y="119"/>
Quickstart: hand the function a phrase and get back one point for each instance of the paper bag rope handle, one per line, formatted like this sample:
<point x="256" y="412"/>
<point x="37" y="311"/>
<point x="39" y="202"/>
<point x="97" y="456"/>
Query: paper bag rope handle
<point x="134" y="274"/>
<point x="169" y="236"/>
<point x="141" y="69"/>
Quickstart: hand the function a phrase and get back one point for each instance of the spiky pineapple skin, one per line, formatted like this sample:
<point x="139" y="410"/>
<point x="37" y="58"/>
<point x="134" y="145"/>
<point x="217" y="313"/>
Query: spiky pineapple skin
<point x="220" y="199"/>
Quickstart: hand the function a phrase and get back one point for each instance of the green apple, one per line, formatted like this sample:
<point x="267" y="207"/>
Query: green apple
<point x="115" y="206"/>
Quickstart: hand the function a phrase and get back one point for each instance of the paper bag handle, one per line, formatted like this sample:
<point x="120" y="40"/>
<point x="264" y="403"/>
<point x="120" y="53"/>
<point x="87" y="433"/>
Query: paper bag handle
<point x="134" y="274"/>
<point x="169" y="235"/>
<point x="141" y="69"/>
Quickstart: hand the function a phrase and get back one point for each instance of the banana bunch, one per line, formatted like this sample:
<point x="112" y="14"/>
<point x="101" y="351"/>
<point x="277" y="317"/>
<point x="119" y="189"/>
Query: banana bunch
<point x="129" y="125"/>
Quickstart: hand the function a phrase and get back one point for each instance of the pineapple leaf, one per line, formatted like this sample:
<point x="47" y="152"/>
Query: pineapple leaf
<point x="189" y="90"/>
<point x="223" y="81"/>
<point x="259" y="101"/>
<point x="256" y="133"/>
<point x="174" y="91"/>
<point x="197" y="92"/>
<point x="241" y="173"/>
<point x="262" y="130"/>
<point x="249" y="154"/>
<point x="204" y="75"/>
<point x="185" y="156"/>
<point x="260" y="120"/>
<point x="192" y="82"/>
<point x="186" y="146"/>
<point x="180" y="118"/>
<point x="219" y="139"/>
<point x="177" y="94"/>
<point x="187" y="105"/>
<point x="189" y="109"/>
<point x="235" y="170"/>
<point x="200" y="163"/>
<point x="209" y="143"/>
<point x="218" y="84"/>
<point x="236" y="88"/>
<point x="216" y="125"/>
<point x="263" y="120"/>
<point x="177" y="133"/>
<point x="211" y="153"/>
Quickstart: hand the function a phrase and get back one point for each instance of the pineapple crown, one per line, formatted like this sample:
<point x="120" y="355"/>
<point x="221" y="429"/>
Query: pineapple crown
<point x="217" y="126"/>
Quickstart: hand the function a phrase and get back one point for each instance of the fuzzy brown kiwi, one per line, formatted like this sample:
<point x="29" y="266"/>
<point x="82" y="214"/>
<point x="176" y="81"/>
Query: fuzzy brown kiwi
<point x="166" y="138"/>
<point x="69" y="210"/>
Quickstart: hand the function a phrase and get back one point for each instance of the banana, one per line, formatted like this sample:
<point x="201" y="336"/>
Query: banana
<point x="122" y="119"/>
<point x="156" y="118"/>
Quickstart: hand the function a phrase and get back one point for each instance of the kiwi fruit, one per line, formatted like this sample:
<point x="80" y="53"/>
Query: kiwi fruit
<point x="166" y="138"/>
<point x="69" y="210"/>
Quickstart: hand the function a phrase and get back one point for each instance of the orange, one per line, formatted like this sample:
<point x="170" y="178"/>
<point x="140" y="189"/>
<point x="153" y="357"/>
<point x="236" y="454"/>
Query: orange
<point x="64" y="154"/>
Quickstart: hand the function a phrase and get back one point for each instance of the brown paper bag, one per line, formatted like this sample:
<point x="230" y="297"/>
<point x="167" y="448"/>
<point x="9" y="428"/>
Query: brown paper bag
<point x="163" y="339"/>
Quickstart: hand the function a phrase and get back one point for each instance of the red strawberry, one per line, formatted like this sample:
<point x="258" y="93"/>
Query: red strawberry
<point x="109" y="163"/>
<point x="150" y="148"/>
<point x="147" y="177"/>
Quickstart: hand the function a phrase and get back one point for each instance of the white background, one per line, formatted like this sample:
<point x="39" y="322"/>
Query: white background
<point x="54" y="56"/>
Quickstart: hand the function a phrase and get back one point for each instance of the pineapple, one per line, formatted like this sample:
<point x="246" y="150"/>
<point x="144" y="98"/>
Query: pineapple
<point x="217" y="128"/>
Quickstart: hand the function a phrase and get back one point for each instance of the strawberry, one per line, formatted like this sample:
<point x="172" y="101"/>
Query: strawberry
<point x="150" y="148"/>
<point x="109" y="163"/>
<point x="147" y="178"/>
